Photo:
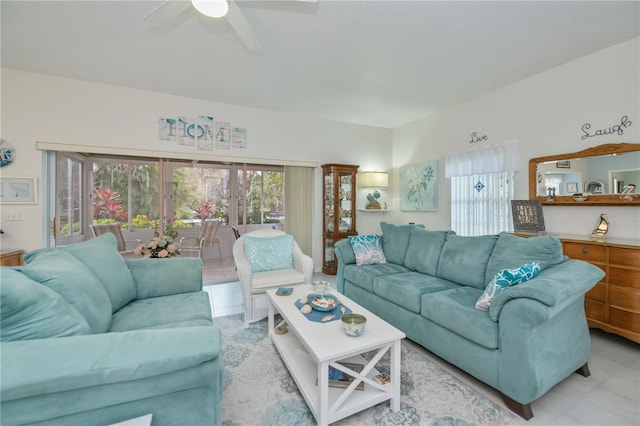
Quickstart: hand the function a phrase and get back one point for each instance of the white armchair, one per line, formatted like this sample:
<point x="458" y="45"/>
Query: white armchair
<point x="255" y="284"/>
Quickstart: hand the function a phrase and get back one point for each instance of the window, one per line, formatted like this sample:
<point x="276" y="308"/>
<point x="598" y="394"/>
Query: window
<point x="481" y="204"/>
<point x="199" y="192"/>
<point x="126" y="192"/>
<point x="133" y="192"/>
<point x="482" y="188"/>
<point x="260" y="195"/>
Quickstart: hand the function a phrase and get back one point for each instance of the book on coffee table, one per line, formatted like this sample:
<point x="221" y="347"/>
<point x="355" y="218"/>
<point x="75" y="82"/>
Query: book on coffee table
<point x="340" y="379"/>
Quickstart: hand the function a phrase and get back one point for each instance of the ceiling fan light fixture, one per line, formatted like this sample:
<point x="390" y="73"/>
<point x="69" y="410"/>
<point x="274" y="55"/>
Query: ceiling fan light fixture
<point x="211" y="8"/>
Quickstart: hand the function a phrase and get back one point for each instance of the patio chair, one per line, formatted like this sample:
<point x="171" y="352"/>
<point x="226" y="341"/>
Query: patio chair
<point x="236" y="233"/>
<point x="116" y="230"/>
<point x="271" y="261"/>
<point x="206" y="239"/>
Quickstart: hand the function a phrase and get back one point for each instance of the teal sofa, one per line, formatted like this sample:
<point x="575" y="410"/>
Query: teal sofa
<point x="534" y="334"/>
<point x="91" y="338"/>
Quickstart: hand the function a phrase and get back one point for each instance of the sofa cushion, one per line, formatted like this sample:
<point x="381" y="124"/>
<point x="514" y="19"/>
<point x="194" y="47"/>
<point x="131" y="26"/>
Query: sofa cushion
<point x="395" y="240"/>
<point x="29" y="310"/>
<point x="406" y="289"/>
<point x="367" y="249"/>
<point x="269" y="253"/>
<point x="67" y="276"/>
<point x="101" y="256"/>
<point x="454" y="310"/>
<point x="178" y="310"/>
<point x="423" y="251"/>
<point x="362" y="276"/>
<point x="464" y="259"/>
<point x="511" y="252"/>
<point x="262" y="281"/>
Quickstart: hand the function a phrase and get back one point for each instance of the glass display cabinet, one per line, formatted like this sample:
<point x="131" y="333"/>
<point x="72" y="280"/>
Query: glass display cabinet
<point x="339" y="209"/>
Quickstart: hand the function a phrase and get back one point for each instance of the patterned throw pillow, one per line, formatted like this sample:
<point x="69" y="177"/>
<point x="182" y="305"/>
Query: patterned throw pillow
<point x="269" y="253"/>
<point x="367" y="249"/>
<point x="507" y="278"/>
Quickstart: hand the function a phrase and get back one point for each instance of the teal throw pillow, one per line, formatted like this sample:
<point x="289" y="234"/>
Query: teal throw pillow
<point x="29" y="310"/>
<point x="507" y="278"/>
<point x="269" y="253"/>
<point x="368" y="249"/>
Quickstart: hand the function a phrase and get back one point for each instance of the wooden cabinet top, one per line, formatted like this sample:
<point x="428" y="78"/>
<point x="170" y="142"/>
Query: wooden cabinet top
<point x="614" y="242"/>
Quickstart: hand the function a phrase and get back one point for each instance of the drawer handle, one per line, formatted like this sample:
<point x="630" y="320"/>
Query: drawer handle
<point x="585" y="250"/>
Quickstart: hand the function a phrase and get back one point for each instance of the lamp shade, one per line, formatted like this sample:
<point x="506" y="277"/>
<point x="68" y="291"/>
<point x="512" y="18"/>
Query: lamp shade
<point x="211" y="8"/>
<point x="374" y="180"/>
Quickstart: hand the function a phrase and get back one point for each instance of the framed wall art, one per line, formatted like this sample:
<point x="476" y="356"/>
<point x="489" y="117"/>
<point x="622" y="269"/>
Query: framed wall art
<point x="18" y="190"/>
<point x="419" y="187"/>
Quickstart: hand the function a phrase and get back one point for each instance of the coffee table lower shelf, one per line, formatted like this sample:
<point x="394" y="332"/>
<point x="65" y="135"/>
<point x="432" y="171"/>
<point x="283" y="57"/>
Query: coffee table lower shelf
<point x="305" y="370"/>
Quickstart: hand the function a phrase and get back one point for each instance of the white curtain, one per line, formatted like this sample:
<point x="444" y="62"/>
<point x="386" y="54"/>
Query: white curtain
<point x="298" y="206"/>
<point x="486" y="159"/>
<point x="482" y="188"/>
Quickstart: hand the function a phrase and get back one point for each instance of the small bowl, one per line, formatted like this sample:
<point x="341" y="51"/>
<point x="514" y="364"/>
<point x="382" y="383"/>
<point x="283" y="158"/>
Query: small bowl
<point x="579" y="197"/>
<point x="330" y="301"/>
<point x="321" y="286"/>
<point x="354" y="324"/>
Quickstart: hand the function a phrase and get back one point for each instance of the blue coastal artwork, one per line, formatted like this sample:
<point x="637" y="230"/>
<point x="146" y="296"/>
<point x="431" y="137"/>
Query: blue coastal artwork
<point x="419" y="187"/>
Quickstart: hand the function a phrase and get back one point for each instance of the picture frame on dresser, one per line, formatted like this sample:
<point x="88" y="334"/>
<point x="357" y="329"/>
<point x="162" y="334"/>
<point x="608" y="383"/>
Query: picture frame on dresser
<point x="527" y="216"/>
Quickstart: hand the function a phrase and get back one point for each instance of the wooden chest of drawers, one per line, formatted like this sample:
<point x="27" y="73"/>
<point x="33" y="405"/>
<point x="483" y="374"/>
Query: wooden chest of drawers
<point x="11" y="258"/>
<point x="613" y="305"/>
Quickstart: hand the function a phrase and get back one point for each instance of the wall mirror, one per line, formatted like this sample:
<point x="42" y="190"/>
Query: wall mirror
<point x="605" y="175"/>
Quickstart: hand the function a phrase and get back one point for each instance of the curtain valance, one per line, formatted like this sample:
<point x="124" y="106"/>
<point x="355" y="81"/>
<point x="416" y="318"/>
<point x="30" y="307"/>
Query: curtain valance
<point x="503" y="157"/>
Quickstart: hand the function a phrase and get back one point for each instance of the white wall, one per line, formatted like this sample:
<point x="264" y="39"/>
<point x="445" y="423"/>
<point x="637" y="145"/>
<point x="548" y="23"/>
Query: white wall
<point x="38" y="107"/>
<point x="545" y="114"/>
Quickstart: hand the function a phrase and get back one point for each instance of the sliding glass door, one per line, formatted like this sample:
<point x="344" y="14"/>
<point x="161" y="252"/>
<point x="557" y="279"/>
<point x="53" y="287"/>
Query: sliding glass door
<point x="69" y="224"/>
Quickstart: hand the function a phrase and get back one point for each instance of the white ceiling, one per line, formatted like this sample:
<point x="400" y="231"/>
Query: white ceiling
<point x="378" y="63"/>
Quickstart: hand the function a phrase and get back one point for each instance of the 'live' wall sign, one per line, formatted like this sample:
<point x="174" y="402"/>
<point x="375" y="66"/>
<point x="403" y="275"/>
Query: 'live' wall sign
<point x="616" y="128"/>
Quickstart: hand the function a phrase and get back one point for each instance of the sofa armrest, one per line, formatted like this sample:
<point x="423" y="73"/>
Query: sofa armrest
<point x="36" y="367"/>
<point x="554" y="287"/>
<point x="164" y="277"/>
<point x="344" y="256"/>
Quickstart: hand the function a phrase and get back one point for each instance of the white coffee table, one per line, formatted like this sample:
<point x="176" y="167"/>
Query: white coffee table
<point x="309" y="348"/>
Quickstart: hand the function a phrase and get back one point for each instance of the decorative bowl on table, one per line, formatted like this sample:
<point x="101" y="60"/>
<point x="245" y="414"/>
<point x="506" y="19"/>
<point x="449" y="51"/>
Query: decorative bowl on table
<point x="354" y="324"/>
<point x="321" y="286"/>
<point x="322" y="301"/>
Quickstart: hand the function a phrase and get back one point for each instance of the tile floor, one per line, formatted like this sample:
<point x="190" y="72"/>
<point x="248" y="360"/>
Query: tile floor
<point x="610" y="396"/>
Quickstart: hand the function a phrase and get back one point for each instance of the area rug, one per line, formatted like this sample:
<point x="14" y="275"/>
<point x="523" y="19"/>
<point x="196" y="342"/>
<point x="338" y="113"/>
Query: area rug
<point x="258" y="389"/>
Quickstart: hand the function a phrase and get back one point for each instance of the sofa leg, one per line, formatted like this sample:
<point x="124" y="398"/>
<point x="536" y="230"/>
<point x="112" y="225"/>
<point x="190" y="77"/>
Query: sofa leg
<point x="523" y="410"/>
<point x="584" y="370"/>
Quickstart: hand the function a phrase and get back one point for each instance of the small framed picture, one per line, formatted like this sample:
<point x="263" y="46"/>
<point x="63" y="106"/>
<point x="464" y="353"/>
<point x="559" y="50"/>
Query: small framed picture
<point x="572" y="187"/>
<point x="18" y="190"/>
<point x="566" y="164"/>
<point x="527" y="216"/>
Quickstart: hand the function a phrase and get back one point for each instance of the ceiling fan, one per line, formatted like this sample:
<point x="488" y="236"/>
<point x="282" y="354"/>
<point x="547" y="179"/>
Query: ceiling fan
<point x="216" y="9"/>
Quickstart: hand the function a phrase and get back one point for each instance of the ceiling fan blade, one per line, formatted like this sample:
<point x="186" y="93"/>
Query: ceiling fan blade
<point x="165" y="12"/>
<point x="242" y="27"/>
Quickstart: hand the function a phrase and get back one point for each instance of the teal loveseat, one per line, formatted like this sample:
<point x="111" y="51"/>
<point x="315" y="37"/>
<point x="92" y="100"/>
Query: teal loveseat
<point x="534" y="334"/>
<point x="91" y="338"/>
